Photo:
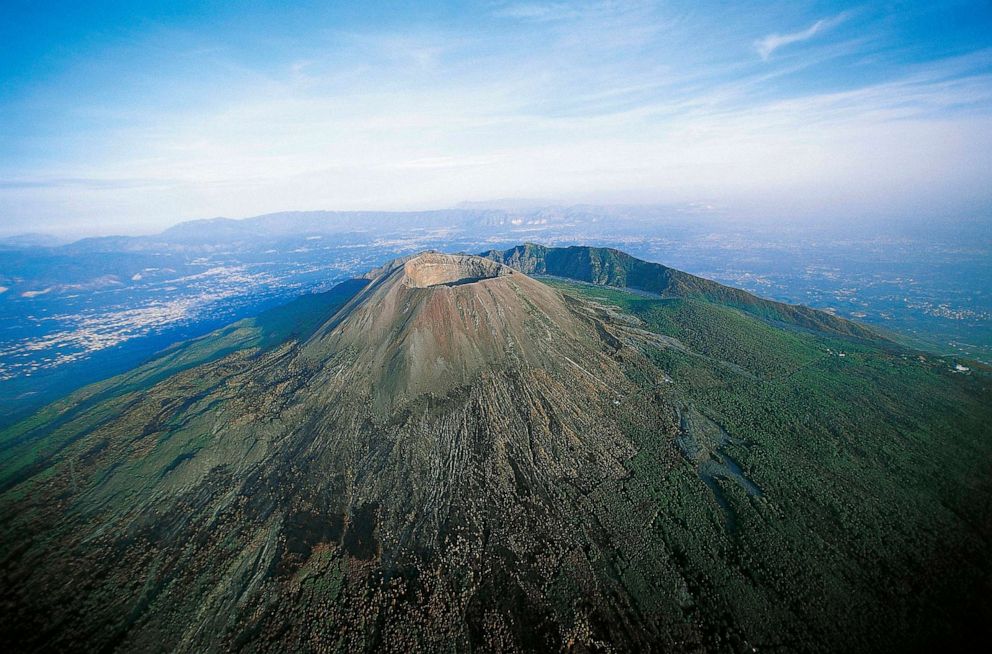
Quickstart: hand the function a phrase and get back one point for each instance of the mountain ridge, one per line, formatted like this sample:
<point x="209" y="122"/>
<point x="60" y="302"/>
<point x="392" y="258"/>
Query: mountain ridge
<point x="452" y="455"/>
<point x="611" y="267"/>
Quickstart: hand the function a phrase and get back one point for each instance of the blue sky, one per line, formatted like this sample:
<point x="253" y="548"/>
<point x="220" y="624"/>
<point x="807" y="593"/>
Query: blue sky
<point x="132" y="116"/>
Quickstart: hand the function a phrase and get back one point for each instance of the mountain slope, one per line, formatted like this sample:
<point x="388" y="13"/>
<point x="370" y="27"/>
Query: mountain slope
<point x="29" y="445"/>
<point x="457" y="456"/>
<point x="609" y="267"/>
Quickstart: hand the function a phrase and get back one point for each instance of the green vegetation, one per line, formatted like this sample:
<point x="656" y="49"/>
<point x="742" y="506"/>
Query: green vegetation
<point x="609" y="267"/>
<point x="504" y="464"/>
<point x="874" y="464"/>
<point x="32" y="442"/>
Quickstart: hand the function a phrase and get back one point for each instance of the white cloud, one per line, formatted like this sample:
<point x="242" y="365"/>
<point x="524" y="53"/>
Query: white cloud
<point x="537" y="12"/>
<point x="619" y="99"/>
<point x="769" y="44"/>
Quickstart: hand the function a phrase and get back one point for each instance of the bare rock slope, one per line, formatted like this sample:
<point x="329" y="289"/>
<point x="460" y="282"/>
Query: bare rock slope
<point x="459" y="457"/>
<point x="426" y="469"/>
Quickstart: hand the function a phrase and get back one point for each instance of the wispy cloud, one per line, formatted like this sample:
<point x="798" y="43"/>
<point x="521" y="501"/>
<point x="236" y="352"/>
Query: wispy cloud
<point x="429" y="163"/>
<point x="537" y="11"/>
<point x="769" y="44"/>
<point x="89" y="183"/>
<point x="550" y="99"/>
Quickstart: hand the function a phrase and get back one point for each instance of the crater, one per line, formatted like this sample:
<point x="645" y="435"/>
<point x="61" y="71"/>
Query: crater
<point x="433" y="269"/>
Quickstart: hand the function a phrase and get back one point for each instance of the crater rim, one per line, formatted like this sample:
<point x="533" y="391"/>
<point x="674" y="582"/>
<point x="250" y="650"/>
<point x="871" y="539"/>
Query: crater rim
<point x="433" y="269"/>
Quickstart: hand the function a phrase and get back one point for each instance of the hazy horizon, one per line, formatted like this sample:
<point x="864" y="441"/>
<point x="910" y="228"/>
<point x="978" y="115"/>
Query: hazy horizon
<point x="130" y="119"/>
<point x="950" y="228"/>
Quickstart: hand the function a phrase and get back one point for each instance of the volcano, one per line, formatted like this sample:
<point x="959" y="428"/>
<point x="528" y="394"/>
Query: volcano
<point x="454" y="455"/>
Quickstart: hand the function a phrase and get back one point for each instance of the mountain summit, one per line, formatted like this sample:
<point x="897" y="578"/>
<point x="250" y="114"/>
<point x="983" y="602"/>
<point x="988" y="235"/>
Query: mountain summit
<point x="452" y="454"/>
<point x="436" y="322"/>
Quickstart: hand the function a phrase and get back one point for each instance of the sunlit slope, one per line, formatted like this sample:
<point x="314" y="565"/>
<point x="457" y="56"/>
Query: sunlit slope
<point x="28" y="445"/>
<point x="456" y="456"/>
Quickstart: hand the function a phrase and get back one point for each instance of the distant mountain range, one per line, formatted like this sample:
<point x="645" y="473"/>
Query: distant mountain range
<point x="25" y="241"/>
<point x="536" y="449"/>
<point x="294" y="224"/>
<point x="503" y="216"/>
